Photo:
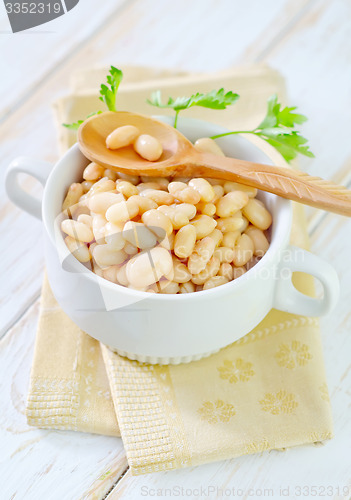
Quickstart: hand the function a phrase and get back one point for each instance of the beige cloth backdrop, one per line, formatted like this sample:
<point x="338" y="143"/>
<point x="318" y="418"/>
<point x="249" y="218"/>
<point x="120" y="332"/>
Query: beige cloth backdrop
<point x="267" y="390"/>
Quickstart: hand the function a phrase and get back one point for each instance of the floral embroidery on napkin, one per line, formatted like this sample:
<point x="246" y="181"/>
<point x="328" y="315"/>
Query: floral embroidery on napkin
<point x="236" y="370"/>
<point x="280" y="402"/>
<point x="293" y="355"/>
<point x="217" y="411"/>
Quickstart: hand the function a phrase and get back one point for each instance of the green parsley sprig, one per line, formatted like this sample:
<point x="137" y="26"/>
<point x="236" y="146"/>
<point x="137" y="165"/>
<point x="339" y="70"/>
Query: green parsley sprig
<point x="76" y="125"/>
<point x="278" y="129"/>
<point x="107" y="95"/>
<point x="216" y="99"/>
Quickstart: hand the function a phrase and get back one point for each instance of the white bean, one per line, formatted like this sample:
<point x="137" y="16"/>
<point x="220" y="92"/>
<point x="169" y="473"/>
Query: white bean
<point x="243" y="250"/>
<point x="204" y="225"/>
<point x="230" y="238"/>
<point x="75" y="191"/>
<point x="208" y="272"/>
<point x="215" y="182"/>
<point x="188" y="209"/>
<point x="224" y="254"/>
<point x="215" y="281"/>
<point x="245" y="224"/>
<point x="217" y="236"/>
<point x="178" y="218"/>
<point x="86" y="185"/>
<point x="181" y="272"/>
<point x="122" y="275"/>
<point x="78" y="249"/>
<point x="219" y="192"/>
<point x="259" y="240"/>
<point x="159" y="196"/>
<point x="168" y="242"/>
<point x="235" y="186"/>
<point x="207" y="145"/>
<point x="79" y="209"/>
<point x="226" y="270"/>
<point x="130" y="249"/>
<point x="98" y="271"/>
<point x="102" y="186"/>
<point x="161" y="181"/>
<point x="196" y="263"/>
<point x="230" y="224"/>
<point x="206" y="208"/>
<point x="134" y="179"/>
<point x="188" y="287"/>
<point x="122" y="136"/>
<point x="147" y="268"/>
<point x="114" y="236"/>
<point x="231" y="203"/>
<point x="176" y="186"/>
<point x="105" y="256"/>
<point x="143" y="204"/>
<point x="100" y="202"/>
<point x="171" y="287"/>
<point x="139" y="235"/>
<point x="158" y="223"/>
<point x="205" y="248"/>
<point x="122" y="212"/>
<point x="148" y="147"/>
<point x="148" y="185"/>
<point x="110" y="174"/>
<point x="126" y="188"/>
<point x="99" y="223"/>
<point x="184" y="241"/>
<point x="86" y="219"/>
<point x="188" y="195"/>
<point x="93" y="172"/>
<point x="77" y="230"/>
<point x="204" y="188"/>
<point x="110" y="273"/>
<point x="257" y="214"/>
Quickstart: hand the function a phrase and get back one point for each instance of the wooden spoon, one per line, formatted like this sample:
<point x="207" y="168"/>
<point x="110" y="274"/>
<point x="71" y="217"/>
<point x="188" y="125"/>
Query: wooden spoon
<point x="180" y="158"/>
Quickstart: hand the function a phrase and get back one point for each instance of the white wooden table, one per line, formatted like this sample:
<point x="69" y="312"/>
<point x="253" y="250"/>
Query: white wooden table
<point x="309" y="42"/>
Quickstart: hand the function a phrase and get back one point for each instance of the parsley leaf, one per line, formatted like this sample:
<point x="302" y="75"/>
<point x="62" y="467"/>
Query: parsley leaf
<point x="288" y="145"/>
<point x="275" y="117"/>
<point x="108" y="95"/>
<point x="278" y="129"/>
<point x="76" y="125"/>
<point x="216" y="99"/>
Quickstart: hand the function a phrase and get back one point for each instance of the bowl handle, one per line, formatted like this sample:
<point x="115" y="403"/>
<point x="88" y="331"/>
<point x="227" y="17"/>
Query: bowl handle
<point x="36" y="168"/>
<point x="287" y="298"/>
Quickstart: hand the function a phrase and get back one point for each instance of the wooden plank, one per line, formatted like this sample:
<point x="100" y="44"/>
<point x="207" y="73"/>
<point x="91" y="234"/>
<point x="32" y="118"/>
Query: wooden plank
<point x="29" y="57"/>
<point x="30" y="131"/>
<point x="40" y="463"/>
<point x="176" y="40"/>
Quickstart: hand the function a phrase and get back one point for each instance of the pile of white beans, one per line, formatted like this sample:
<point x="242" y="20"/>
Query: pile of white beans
<point x="164" y="236"/>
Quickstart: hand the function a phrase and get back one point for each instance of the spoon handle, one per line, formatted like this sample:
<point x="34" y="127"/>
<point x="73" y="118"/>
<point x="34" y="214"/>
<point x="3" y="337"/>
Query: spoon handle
<point x="285" y="182"/>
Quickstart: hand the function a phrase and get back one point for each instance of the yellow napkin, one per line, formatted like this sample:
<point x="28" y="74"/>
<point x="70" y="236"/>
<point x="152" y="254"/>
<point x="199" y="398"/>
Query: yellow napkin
<point x="265" y="391"/>
<point x="69" y="388"/>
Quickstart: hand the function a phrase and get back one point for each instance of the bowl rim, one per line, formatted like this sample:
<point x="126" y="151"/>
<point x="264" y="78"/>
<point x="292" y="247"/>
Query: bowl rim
<point x="57" y="240"/>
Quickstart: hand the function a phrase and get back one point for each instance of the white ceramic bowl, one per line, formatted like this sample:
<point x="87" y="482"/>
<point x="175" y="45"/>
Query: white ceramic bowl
<point x="164" y="329"/>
